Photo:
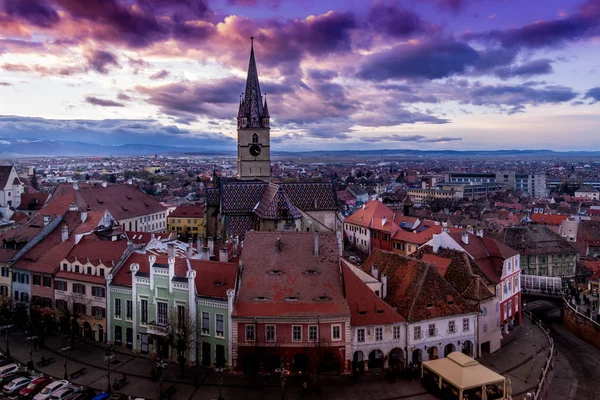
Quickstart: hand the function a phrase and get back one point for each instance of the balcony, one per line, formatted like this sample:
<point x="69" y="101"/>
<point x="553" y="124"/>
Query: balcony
<point x="156" y="329"/>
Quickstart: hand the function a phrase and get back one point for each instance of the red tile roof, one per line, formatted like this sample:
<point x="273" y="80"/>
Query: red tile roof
<point x="548" y="219"/>
<point x="438" y="262"/>
<point x="123" y="275"/>
<point x="366" y="308"/>
<point x="188" y="212"/>
<point x="80" y="277"/>
<point x="96" y="251"/>
<point x="32" y="201"/>
<point x="287" y="279"/>
<point x="416" y="288"/>
<point x="214" y="278"/>
<point x="122" y="201"/>
<point x="372" y="209"/>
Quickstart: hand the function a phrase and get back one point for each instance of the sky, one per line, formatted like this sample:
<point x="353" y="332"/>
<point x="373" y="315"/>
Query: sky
<point x="338" y="74"/>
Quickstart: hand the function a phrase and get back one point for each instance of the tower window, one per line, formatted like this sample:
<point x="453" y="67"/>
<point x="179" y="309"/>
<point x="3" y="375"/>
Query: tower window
<point x="255" y="138"/>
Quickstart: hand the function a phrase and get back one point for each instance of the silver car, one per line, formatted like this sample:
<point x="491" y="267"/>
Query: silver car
<point x="16" y="384"/>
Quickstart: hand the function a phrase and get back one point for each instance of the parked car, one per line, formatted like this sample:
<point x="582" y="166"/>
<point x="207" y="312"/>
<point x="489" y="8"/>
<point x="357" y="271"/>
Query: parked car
<point x="50" y="389"/>
<point x="5" y="361"/>
<point x="8" y="369"/>
<point x="34" y="387"/>
<point x="102" y="396"/>
<point x="84" y="394"/>
<point x="7" y="378"/>
<point x="63" y="393"/>
<point x="16" y="384"/>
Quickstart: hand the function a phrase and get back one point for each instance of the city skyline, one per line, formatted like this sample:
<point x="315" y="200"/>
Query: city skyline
<point x="431" y="75"/>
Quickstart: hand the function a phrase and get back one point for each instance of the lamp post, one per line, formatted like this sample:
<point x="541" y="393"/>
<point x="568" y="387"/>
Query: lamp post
<point x="160" y="365"/>
<point x="108" y="356"/>
<point x="220" y="370"/>
<point x="64" y="351"/>
<point x="31" y="340"/>
<point x="6" y="328"/>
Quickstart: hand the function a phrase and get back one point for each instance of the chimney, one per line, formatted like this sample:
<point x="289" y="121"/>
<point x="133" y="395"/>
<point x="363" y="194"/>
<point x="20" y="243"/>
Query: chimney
<point x="46" y="220"/>
<point x="236" y="243"/>
<point x="465" y="238"/>
<point x="104" y="184"/>
<point x="189" y="248"/>
<point x="223" y="254"/>
<point x="437" y="242"/>
<point x="75" y="185"/>
<point x="64" y="233"/>
<point x="199" y="244"/>
<point x="83" y="216"/>
<point x="316" y="244"/>
<point x="211" y="246"/>
<point x="374" y="272"/>
<point x="470" y="229"/>
<point x="364" y="206"/>
<point x="171" y="250"/>
<point x="480" y="233"/>
<point x="205" y="253"/>
<point x="384" y="285"/>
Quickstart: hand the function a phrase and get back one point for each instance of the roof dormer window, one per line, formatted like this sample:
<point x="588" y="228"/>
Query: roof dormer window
<point x="275" y="272"/>
<point x="291" y="298"/>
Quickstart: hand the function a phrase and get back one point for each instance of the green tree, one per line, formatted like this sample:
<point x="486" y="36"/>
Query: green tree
<point x="87" y="177"/>
<point x="112" y="178"/>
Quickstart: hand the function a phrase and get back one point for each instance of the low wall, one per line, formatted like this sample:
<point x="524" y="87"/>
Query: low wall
<point x="581" y="325"/>
<point x="543" y="384"/>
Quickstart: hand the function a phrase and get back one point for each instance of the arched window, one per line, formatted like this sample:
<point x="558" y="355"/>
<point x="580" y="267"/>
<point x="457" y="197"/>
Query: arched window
<point x="255" y="138"/>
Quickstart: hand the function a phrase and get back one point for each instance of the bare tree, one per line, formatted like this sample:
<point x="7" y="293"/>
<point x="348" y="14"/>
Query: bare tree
<point x="182" y="330"/>
<point x="69" y="310"/>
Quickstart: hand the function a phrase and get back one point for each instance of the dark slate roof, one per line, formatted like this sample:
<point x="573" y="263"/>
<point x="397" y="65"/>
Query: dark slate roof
<point x="238" y="225"/>
<point x="252" y="104"/>
<point x="536" y="240"/>
<point x="213" y="197"/>
<point x="274" y="204"/>
<point x="4" y="174"/>
<point x="241" y="196"/>
<point x="312" y="196"/>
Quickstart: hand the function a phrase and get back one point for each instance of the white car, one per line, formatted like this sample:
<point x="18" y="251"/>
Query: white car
<point x="51" y="389"/>
<point x="8" y="369"/>
<point x="16" y="384"/>
<point x="63" y="393"/>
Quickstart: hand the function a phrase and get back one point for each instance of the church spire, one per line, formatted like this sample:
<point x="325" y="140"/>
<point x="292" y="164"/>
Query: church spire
<point x="252" y="104"/>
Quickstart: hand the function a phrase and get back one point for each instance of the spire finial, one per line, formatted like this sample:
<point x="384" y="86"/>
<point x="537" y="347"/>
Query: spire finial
<point x="252" y="41"/>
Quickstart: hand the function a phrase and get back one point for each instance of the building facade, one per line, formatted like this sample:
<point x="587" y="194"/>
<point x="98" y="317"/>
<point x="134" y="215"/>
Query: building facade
<point x="11" y="189"/>
<point x="186" y="221"/>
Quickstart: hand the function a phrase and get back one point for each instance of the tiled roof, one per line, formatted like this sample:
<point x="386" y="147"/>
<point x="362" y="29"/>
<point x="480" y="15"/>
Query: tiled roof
<point x="32" y="201"/>
<point x="214" y="278"/>
<point x="241" y="196"/>
<point x="312" y="196"/>
<point x="366" y="308"/>
<point x="548" y="219"/>
<point x="416" y="288"/>
<point x="80" y="277"/>
<point x="5" y="171"/>
<point x="122" y="201"/>
<point x="286" y="279"/>
<point x="440" y="263"/>
<point x="364" y="215"/>
<point x="536" y="239"/>
<point x="238" y="225"/>
<point x="123" y="274"/>
<point x="213" y="197"/>
<point x="91" y="249"/>
<point x="274" y="204"/>
<point x="188" y="212"/>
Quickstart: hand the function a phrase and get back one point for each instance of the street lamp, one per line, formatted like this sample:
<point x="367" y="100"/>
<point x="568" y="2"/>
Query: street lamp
<point x="160" y="365"/>
<point x="6" y="328"/>
<point x="108" y="356"/>
<point x="64" y="351"/>
<point x="31" y="340"/>
<point x="220" y="371"/>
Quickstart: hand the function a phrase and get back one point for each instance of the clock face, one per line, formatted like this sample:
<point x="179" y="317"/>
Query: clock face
<point x="255" y="150"/>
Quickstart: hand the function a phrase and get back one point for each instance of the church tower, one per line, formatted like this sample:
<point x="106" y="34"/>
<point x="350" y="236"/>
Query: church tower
<point x="254" y="132"/>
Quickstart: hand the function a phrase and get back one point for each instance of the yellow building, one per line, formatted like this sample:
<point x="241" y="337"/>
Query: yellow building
<point x="186" y="221"/>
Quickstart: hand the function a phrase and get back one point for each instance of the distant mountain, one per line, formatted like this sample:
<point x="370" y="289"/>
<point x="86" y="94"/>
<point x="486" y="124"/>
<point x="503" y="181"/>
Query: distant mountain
<point x="13" y="148"/>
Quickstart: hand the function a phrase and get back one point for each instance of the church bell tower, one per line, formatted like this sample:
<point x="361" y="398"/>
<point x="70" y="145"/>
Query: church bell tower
<point x="253" y="128"/>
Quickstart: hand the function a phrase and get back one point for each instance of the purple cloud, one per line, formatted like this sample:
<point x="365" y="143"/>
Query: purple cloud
<point x="395" y="22"/>
<point x="99" y="60"/>
<point x="36" y="12"/>
<point x="162" y="74"/>
<point x="593" y="94"/>
<point x="103" y="102"/>
<point x="428" y="60"/>
<point x="535" y="67"/>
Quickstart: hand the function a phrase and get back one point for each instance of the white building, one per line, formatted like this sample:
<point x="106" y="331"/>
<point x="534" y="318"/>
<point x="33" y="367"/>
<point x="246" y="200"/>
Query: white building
<point x="588" y="192"/>
<point x="11" y="189"/>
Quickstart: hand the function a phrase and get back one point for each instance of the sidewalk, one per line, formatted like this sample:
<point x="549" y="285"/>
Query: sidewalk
<point x="521" y="360"/>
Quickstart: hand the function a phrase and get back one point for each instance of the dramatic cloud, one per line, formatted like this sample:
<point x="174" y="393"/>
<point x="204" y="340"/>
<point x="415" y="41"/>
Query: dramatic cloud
<point x="527" y="70"/>
<point x="100" y="60"/>
<point x="36" y="12"/>
<point x="583" y="24"/>
<point x="593" y="94"/>
<point x="517" y="97"/>
<point x="428" y="60"/>
<point x="395" y="22"/>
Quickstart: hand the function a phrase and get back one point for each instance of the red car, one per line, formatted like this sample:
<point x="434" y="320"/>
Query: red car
<point x="34" y="387"/>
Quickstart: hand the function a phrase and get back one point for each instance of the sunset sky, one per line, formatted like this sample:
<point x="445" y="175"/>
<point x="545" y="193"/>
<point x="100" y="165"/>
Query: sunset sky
<point x="347" y="74"/>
